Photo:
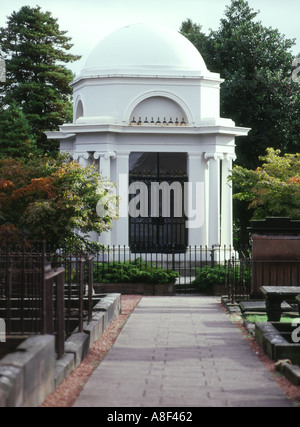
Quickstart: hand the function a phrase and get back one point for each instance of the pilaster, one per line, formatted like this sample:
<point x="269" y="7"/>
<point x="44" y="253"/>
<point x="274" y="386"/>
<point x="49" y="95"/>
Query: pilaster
<point x="105" y="162"/>
<point x="120" y="230"/>
<point x="226" y="203"/>
<point x="195" y="200"/>
<point x="214" y="206"/>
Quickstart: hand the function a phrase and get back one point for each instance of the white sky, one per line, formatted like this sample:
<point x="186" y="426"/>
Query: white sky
<point x="87" y="21"/>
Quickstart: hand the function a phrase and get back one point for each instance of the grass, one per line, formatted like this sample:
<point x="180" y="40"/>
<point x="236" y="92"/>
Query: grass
<point x="263" y="318"/>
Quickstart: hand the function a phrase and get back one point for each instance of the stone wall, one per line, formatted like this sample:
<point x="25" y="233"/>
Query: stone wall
<point x="31" y="372"/>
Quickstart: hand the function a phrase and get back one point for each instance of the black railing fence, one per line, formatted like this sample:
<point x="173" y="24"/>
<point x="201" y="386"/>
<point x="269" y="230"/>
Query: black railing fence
<point x="50" y="290"/>
<point x="78" y="289"/>
<point x="238" y="278"/>
<point x="236" y="270"/>
<point x="240" y="275"/>
<point x="44" y="291"/>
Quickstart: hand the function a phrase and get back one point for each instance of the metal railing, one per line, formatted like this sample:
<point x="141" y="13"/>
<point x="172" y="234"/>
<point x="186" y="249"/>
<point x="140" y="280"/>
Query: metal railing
<point x="245" y="277"/>
<point x="238" y="278"/>
<point x="186" y="264"/>
<point x="32" y="296"/>
<point x="48" y="290"/>
<point x="43" y="292"/>
<point x="53" y="317"/>
<point x="78" y="285"/>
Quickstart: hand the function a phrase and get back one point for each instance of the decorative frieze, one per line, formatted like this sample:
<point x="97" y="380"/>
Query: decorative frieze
<point x="158" y="121"/>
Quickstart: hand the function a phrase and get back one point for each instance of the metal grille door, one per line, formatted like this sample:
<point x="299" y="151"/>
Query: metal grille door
<point x="159" y="222"/>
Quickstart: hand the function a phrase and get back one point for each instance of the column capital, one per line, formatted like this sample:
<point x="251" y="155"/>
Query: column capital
<point x="84" y="155"/>
<point x="230" y="156"/>
<point x="97" y="155"/>
<point x="105" y="154"/>
<point x="213" y="156"/>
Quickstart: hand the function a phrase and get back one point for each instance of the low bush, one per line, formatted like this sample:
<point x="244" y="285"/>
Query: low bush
<point x="207" y="277"/>
<point x="135" y="271"/>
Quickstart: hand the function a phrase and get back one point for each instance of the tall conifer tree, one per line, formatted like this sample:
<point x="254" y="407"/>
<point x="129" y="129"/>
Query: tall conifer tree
<point x="36" y="52"/>
<point x="16" y="137"/>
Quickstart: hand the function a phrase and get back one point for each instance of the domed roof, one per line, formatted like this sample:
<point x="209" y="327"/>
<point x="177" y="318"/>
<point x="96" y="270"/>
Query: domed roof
<point x="144" y="49"/>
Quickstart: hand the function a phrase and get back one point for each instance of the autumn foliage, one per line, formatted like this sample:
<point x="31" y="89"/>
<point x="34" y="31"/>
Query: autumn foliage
<point x="51" y="199"/>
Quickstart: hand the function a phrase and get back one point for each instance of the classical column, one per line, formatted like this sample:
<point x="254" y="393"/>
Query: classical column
<point x="194" y="202"/>
<point x="104" y="162"/>
<point x="104" y="169"/>
<point x="214" y="198"/>
<point x="226" y="204"/>
<point x="120" y="231"/>
<point x="83" y="159"/>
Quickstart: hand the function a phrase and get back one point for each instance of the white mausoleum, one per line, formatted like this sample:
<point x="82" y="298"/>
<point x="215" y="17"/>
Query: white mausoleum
<point x="147" y="110"/>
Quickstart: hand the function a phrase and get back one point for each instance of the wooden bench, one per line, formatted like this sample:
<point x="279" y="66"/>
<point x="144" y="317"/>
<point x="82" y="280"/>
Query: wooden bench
<point x="275" y="295"/>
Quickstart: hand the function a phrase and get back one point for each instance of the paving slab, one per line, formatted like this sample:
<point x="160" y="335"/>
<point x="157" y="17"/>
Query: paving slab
<point x="181" y="351"/>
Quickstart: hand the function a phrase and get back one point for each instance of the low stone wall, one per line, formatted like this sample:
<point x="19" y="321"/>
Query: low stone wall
<point x="136" y="288"/>
<point x="220" y="290"/>
<point x="275" y="339"/>
<point x="30" y="373"/>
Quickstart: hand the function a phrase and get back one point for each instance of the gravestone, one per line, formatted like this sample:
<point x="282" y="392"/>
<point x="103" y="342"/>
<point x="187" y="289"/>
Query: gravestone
<point x="275" y="253"/>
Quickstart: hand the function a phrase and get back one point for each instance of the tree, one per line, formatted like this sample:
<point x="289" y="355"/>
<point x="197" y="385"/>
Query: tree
<point x="53" y="200"/>
<point x="193" y="33"/>
<point x="272" y="189"/>
<point x="258" y="92"/>
<point x="36" y="51"/>
<point x="16" y="137"/>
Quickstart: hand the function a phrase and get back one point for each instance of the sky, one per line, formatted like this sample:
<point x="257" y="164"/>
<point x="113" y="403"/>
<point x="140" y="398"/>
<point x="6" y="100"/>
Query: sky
<point x="87" y="21"/>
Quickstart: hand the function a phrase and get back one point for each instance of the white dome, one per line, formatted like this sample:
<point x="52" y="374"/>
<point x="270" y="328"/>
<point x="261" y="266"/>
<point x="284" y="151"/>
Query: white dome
<point x="143" y="49"/>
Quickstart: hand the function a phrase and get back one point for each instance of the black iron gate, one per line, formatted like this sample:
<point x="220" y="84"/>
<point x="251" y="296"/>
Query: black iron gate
<point x="160" y="225"/>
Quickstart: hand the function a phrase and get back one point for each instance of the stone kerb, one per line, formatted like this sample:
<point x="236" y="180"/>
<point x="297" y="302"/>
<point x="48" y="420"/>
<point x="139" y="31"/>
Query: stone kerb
<point x="27" y="375"/>
<point x="30" y="373"/>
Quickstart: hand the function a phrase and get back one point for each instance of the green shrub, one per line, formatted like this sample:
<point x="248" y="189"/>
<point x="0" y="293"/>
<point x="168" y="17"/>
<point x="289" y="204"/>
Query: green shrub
<point x="135" y="271"/>
<point x="207" y="276"/>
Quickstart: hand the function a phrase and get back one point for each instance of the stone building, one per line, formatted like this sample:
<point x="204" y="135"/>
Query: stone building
<point x="146" y="112"/>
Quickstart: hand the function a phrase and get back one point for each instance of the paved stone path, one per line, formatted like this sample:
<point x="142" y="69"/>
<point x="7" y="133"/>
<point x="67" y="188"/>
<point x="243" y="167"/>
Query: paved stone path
<point x="181" y="351"/>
